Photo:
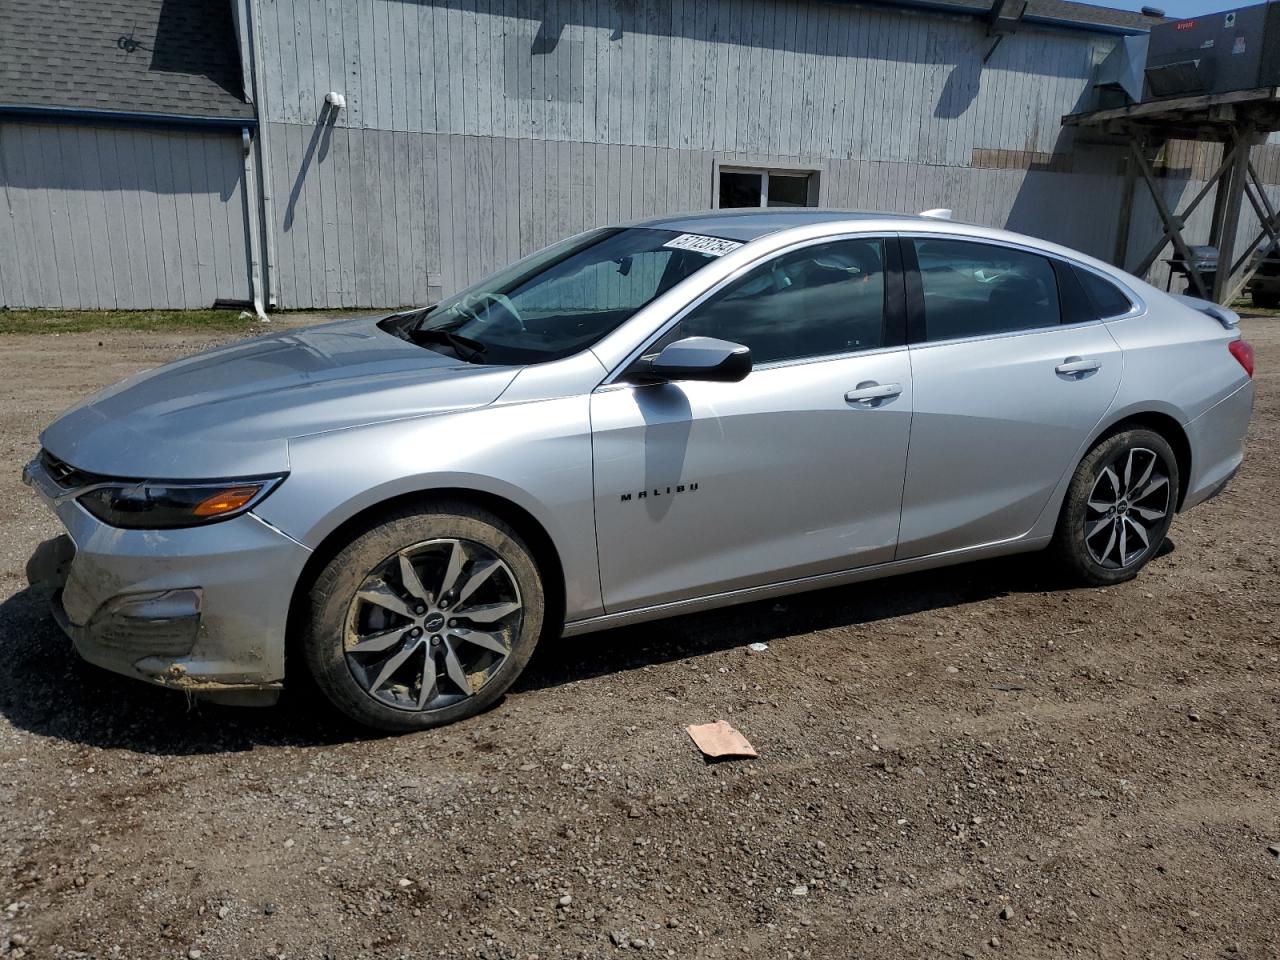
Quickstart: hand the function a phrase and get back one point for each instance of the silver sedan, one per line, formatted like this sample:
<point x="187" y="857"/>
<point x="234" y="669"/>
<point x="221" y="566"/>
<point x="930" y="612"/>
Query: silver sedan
<point x="637" y="422"/>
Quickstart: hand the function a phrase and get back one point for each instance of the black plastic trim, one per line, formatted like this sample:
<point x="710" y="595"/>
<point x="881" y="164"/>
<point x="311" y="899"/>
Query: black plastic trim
<point x="917" y="332"/>
<point x="1074" y="304"/>
<point x="895" y="295"/>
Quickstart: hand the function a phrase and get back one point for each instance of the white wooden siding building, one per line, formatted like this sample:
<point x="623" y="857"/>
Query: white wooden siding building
<point x="472" y="132"/>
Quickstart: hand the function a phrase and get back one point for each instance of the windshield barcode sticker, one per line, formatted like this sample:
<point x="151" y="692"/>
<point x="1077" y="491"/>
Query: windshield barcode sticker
<point x="711" y="246"/>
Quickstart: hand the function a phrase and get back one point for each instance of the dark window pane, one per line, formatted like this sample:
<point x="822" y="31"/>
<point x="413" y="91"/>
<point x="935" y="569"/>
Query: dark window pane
<point x="1106" y="297"/>
<point x="788" y="191"/>
<point x="971" y="289"/>
<point x="740" y="189"/>
<point x="822" y="300"/>
<point x="1076" y="306"/>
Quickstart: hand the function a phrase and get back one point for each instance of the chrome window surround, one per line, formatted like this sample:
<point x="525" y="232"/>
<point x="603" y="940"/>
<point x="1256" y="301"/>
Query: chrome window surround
<point x="1138" y="306"/>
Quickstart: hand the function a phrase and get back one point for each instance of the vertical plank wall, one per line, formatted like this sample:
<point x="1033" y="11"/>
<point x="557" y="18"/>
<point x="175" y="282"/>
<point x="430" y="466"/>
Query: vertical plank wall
<point x="114" y="218"/>
<point x="475" y="132"/>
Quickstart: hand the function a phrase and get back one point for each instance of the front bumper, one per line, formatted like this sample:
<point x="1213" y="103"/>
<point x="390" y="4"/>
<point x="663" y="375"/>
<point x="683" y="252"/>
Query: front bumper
<point x="202" y="609"/>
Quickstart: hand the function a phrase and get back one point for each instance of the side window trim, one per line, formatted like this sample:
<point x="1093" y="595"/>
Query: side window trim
<point x="894" y="327"/>
<point x="916" y="333"/>
<point x="917" y="329"/>
<point x="895" y="294"/>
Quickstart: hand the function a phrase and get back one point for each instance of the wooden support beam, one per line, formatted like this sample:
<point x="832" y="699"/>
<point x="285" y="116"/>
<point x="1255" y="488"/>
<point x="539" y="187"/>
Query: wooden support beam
<point x="1220" y="196"/>
<point x="1266" y="216"/>
<point x="1239" y="120"/>
<point x="1180" y="108"/>
<point x="1235" y="183"/>
<point x="1262" y="192"/>
<point x="1173" y="226"/>
<point x="1243" y="269"/>
<point x="1165" y="237"/>
<point x="1121" y="254"/>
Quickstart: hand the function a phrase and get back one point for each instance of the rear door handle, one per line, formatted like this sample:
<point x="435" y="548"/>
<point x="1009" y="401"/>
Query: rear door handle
<point x="869" y="393"/>
<point x="1076" y="366"/>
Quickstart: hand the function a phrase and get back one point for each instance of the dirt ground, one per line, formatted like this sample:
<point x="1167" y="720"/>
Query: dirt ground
<point x="970" y="762"/>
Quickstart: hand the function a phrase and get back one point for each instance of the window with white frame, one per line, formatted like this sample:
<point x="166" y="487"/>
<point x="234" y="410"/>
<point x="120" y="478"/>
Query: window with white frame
<point x="759" y="187"/>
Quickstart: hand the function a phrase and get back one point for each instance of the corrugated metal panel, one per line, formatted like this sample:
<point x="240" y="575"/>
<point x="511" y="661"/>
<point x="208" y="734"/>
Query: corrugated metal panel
<point x="120" y="219"/>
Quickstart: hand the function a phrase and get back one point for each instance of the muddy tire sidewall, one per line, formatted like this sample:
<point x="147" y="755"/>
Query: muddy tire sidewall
<point x="1068" y="546"/>
<point x="334" y="588"/>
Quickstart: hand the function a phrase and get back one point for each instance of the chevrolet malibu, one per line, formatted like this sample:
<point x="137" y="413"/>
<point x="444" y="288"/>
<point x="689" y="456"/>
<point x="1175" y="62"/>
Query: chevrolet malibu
<point x="638" y="422"/>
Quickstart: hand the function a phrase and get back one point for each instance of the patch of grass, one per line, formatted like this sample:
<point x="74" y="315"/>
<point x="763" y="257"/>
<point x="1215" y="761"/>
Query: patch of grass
<point x="1245" y="308"/>
<point x="79" y="321"/>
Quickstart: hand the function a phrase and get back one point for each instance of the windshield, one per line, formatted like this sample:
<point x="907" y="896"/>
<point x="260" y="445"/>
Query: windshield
<point x="559" y="301"/>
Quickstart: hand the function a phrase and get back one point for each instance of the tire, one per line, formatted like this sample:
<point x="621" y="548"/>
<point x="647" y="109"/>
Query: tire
<point x="370" y="631"/>
<point x="1097" y="546"/>
<point x="1267" y="300"/>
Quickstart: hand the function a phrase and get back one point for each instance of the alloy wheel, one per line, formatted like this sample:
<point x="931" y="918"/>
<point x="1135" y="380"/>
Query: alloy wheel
<point x="1127" y="509"/>
<point x="432" y="624"/>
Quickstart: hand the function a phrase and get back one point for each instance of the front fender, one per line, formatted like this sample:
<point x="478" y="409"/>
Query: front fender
<point x="535" y="455"/>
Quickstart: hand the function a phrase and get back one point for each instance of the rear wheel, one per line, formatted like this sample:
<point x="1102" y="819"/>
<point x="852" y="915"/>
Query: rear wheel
<point x="1118" y="508"/>
<point x="426" y="618"/>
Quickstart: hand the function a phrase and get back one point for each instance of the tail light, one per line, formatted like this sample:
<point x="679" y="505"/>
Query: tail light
<point x="1243" y="352"/>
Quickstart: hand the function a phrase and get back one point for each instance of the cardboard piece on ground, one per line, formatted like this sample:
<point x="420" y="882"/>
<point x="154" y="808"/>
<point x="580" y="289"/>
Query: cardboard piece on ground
<point x="718" y="740"/>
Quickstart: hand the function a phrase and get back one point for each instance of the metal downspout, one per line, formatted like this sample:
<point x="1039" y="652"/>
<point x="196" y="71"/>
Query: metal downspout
<point x="252" y="224"/>
<point x="264" y="161"/>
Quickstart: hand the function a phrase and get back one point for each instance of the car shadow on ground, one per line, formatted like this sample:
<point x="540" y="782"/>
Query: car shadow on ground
<point x="46" y="689"/>
<point x="782" y="620"/>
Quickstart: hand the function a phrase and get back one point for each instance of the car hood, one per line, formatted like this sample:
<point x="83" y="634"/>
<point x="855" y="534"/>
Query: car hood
<point x="231" y="411"/>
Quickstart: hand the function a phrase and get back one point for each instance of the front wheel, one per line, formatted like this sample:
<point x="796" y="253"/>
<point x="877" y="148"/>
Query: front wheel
<point x="425" y="618"/>
<point x="1118" y="508"/>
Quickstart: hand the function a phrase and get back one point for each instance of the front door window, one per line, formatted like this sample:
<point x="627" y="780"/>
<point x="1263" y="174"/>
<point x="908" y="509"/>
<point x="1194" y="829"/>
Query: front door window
<point x="825" y="299"/>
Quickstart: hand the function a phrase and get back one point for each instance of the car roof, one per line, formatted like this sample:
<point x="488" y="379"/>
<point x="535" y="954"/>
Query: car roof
<point x="750" y="223"/>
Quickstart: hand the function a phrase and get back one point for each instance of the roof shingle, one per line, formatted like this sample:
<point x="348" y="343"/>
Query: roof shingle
<point x="175" y="57"/>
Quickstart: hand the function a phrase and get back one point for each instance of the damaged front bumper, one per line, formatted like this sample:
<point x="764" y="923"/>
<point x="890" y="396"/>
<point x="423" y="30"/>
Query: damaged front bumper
<point x="201" y="609"/>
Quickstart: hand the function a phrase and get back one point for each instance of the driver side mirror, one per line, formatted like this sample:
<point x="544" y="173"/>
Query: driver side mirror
<point x="694" y="358"/>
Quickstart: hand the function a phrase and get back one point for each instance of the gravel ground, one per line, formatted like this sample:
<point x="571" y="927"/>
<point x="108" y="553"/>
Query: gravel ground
<point x="971" y="762"/>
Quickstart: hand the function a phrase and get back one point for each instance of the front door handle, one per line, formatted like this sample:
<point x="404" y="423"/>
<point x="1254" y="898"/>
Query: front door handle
<point x="1077" y="366"/>
<point x="869" y="393"/>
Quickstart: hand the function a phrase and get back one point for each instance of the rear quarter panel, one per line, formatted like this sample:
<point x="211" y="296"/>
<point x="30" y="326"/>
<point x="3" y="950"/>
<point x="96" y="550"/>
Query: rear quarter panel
<point x="1176" y="361"/>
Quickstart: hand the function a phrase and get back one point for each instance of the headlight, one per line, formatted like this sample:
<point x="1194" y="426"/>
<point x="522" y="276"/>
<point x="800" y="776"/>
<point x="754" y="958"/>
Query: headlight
<point x="162" y="505"/>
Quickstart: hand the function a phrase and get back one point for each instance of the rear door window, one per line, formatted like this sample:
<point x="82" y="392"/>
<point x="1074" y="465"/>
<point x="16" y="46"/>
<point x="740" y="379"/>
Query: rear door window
<point x="977" y="289"/>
